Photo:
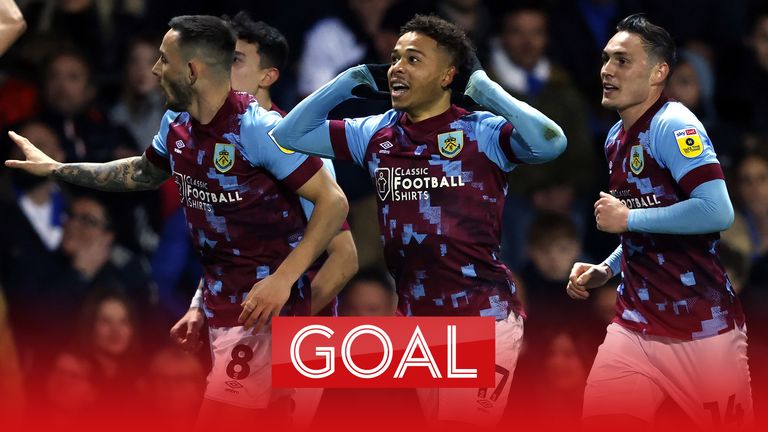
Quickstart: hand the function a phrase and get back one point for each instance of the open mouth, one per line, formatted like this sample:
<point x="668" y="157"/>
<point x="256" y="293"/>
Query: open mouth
<point x="398" y="88"/>
<point x="609" y="88"/>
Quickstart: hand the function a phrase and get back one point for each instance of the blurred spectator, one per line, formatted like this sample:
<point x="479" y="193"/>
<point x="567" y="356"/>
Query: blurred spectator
<point x="337" y="42"/>
<point x="553" y="247"/>
<point x="68" y="94"/>
<point x="369" y="293"/>
<point x="108" y="336"/>
<point x="141" y="105"/>
<point x="519" y="64"/>
<point x="472" y="16"/>
<point x="752" y="178"/>
<point x="69" y="393"/>
<point x="12" y="24"/>
<point x="173" y="389"/>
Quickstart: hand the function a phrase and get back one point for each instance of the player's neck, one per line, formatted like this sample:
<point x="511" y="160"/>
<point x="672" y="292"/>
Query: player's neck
<point x="436" y="108"/>
<point x="630" y="115"/>
<point x="208" y="103"/>
<point x="263" y="97"/>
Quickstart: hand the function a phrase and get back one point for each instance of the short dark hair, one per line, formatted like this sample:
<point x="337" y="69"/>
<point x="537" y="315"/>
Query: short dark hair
<point x="446" y="34"/>
<point x="208" y="33"/>
<point x="72" y="53"/>
<point x="372" y="275"/>
<point x="273" y="47"/>
<point x="548" y="227"/>
<point x="656" y="40"/>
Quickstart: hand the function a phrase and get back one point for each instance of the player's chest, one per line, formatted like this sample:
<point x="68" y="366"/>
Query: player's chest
<point x="207" y="155"/>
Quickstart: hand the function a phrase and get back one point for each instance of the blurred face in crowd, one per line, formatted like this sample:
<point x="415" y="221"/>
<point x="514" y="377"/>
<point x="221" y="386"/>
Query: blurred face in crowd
<point x="173" y="69"/>
<point x="140" y="62"/>
<point x="554" y="257"/>
<point x="176" y="381"/>
<point x="368" y="298"/>
<point x="67" y="85"/>
<point x="753" y="185"/>
<point x="248" y="74"/>
<point x="369" y="12"/>
<point x="684" y="85"/>
<point x="86" y="223"/>
<point x="760" y="41"/>
<point x="69" y="386"/>
<point x="524" y="37"/>
<point x="628" y="74"/>
<point x="565" y="369"/>
<point x="112" y="331"/>
<point x="419" y="73"/>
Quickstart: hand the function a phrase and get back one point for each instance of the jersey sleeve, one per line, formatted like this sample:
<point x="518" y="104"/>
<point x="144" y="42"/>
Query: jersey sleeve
<point x="307" y="205"/>
<point x="681" y="145"/>
<point x="350" y="137"/>
<point x="157" y="152"/>
<point x="289" y="167"/>
<point x="494" y="136"/>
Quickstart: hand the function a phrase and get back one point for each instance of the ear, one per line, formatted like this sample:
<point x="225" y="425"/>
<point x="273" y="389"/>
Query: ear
<point x="449" y="76"/>
<point x="270" y="77"/>
<point x="193" y="72"/>
<point x="660" y="73"/>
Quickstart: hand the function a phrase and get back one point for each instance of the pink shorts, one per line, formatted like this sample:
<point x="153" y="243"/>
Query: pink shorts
<point x="708" y="378"/>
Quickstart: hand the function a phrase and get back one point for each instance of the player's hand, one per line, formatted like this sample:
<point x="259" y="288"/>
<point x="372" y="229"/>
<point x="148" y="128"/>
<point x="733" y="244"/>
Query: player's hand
<point x="611" y="215"/>
<point x="264" y="301"/>
<point x="586" y="276"/>
<point x="186" y="332"/>
<point x="37" y="162"/>
<point x="377" y="87"/>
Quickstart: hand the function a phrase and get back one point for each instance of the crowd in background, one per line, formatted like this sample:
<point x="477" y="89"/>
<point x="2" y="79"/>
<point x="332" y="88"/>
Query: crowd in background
<point x="92" y="282"/>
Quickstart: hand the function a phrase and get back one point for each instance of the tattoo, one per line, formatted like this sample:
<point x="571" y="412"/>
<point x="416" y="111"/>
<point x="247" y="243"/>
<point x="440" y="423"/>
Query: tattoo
<point x="129" y="174"/>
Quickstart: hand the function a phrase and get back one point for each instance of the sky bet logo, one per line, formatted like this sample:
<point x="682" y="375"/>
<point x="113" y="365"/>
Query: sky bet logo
<point x="383" y="352"/>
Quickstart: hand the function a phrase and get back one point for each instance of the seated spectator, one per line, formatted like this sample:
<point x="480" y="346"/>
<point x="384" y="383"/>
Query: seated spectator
<point x="173" y="389"/>
<point x="519" y="63"/>
<point x="752" y="213"/>
<point x="369" y="293"/>
<point x="141" y="105"/>
<point x="68" y="395"/>
<point x="108" y="335"/>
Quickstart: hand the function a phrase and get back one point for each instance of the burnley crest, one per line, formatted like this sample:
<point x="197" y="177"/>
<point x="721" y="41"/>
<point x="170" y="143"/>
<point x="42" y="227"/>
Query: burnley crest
<point x="223" y="157"/>
<point x="450" y="143"/>
<point x="636" y="159"/>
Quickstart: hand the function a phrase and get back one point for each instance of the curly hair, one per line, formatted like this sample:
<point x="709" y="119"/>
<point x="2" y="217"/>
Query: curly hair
<point x="447" y="35"/>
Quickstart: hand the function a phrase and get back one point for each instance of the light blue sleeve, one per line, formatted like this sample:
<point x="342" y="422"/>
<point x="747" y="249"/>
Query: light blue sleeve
<point x="708" y="210"/>
<point x="488" y="129"/>
<point x="159" y="144"/>
<point x="359" y="131"/>
<point x="676" y="133"/>
<point x="306" y="204"/>
<point x="258" y="146"/>
<point x="536" y="138"/>
<point x="614" y="261"/>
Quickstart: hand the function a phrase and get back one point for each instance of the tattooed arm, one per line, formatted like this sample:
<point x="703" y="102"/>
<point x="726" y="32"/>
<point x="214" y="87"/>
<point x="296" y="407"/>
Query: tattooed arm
<point x="134" y="173"/>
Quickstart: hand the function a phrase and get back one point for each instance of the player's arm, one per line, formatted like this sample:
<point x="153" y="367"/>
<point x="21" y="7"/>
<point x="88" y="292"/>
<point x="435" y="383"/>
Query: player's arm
<point x="306" y="130"/>
<point x="186" y="332"/>
<point x="586" y="276"/>
<point x="129" y="174"/>
<point x="536" y="138"/>
<point x="12" y="24"/>
<point x="336" y="271"/>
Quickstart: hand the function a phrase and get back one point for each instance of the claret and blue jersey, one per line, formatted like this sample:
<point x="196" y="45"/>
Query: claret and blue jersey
<point x="441" y="187"/>
<point x="673" y="285"/>
<point x="238" y="193"/>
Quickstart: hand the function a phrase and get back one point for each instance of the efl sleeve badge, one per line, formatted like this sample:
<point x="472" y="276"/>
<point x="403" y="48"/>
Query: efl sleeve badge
<point x="689" y="142"/>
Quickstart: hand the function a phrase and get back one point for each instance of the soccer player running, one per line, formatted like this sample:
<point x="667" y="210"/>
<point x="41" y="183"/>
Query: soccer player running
<point x="439" y="171"/>
<point x="241" y="200"/>
<point x="679" y="329"/>
<point x="261" y="52"/>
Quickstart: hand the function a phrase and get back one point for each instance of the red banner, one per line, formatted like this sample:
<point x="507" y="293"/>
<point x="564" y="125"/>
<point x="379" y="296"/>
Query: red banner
<point x="383" y="352"/>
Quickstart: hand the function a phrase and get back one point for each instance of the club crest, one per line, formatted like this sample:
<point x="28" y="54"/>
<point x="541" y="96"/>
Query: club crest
<point x="224" y="157"/>
<point x="450" y="143"/>
<point x="636" y="159"/>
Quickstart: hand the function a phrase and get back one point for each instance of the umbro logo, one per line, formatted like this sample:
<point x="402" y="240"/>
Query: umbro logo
<point x="179" y="146"/>
<point x="233" y="384"/>
<point x="386" y="145"/>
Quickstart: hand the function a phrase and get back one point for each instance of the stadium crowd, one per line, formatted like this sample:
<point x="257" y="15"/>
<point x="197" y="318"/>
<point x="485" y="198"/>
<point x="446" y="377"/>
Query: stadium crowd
<point x="90" y="283"/>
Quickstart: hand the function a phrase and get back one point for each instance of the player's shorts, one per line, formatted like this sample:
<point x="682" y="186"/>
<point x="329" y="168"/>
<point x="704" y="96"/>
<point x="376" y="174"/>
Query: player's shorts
<point x="708" y="378"/>
<point x="485" y="406"/>
<point x="241" y="374"/>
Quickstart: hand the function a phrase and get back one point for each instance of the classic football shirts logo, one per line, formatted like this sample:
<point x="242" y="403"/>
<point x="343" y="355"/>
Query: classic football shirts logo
<point x="410" y="184"/>
<point x="194" y="193"/>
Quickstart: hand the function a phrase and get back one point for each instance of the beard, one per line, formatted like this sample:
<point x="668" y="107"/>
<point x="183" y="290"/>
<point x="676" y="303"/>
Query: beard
<point x="178" y="96"/>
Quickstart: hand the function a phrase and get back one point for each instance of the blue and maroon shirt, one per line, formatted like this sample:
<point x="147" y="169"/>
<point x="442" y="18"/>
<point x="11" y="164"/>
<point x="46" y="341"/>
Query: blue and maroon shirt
<point x="672" y="285"/>
<point x="238" y="191"/>
<point x="441" y="187"/>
